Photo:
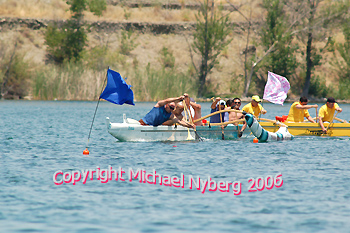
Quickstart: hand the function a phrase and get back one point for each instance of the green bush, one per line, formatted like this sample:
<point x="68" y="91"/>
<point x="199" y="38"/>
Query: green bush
<point x="15" y="72"/>
<point x="127" y="42"/>
<point x="167" y="58"/>
<point x="66" y="43"/>
<point x="318" y="87"/>
<point x="100" y="58"/>
<point x="152" y="85"/>
<point x="344" y="89"/>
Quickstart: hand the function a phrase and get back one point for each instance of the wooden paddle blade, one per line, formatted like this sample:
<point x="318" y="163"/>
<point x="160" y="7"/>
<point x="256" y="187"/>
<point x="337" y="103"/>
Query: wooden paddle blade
<point x="199" y="138"/>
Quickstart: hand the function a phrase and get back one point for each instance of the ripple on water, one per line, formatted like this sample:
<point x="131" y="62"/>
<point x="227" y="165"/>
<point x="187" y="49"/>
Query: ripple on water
<point x="315" y="170"/>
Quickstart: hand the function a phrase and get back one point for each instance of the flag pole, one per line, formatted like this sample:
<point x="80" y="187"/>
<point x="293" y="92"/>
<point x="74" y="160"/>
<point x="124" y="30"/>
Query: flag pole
<point x="86" y="151"/>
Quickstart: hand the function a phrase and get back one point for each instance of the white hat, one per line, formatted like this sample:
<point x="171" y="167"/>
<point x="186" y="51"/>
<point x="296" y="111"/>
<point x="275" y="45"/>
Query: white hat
<point x="221" y="102"/>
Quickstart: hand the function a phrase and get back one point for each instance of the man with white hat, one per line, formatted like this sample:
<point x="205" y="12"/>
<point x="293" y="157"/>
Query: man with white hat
<point x="254" y="107"/>
<point x="217" y="105"/>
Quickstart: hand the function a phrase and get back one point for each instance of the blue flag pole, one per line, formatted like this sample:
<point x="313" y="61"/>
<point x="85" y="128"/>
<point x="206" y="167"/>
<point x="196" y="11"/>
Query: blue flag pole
<point x="117" y="91"/>
<point x="86" y="151"/>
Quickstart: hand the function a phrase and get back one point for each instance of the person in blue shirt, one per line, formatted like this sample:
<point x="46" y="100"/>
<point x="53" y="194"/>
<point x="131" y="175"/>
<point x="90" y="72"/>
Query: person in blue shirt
<point x="217" y="105"/>
<point x="163" y="111"/>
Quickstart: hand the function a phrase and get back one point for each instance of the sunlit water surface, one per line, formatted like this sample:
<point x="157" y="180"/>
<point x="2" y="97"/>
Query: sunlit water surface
<point x="39" y="138"/>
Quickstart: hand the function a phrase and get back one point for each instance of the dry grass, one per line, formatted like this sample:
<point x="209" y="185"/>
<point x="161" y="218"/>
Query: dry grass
<point x="224" y="78"/>
<point x="47" y="9"/>
<point x="58" y="9"/>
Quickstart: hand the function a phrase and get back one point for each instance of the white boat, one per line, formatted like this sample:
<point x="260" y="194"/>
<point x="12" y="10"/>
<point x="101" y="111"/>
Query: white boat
<point x="132" y="130"/>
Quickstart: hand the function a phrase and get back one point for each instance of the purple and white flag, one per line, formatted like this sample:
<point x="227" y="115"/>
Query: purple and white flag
<point x="276" y="88"/>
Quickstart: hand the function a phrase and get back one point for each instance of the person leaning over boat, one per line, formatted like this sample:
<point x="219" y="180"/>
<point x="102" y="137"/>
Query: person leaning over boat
<point x="163" y="111"/>
<point x="254" y="107"/>
<point x="299" y="110"/>
<point x="195" y="110"/>
<point x="178" y="112"/>
<point x="326" y="112"/>
<point x="217" y="105"/>
<point x="233" y="116"/>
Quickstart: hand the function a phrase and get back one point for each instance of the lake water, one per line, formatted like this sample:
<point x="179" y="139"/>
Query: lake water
<point x="39" y="138"/>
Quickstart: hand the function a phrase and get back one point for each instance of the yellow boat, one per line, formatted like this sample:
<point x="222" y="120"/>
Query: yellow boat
<point x="297" y="129"/>
<point x="309" y="129"/>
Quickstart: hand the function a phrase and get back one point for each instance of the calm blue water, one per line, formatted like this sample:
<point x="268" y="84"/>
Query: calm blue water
<point x="39" y="138"/>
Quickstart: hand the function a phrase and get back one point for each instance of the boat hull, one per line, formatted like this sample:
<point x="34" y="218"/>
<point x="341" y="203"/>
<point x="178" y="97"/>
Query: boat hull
<point x="311" y="129"/>
<point x="135" y="132"/>
<point x="230" y="132"/>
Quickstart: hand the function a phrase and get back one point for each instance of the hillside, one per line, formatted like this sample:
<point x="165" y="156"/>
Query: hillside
<point x="155" y="25"/>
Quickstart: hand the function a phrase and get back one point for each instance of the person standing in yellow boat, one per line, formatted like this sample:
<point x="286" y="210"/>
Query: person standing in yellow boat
<point x="326" y="112"/>
<point x="254" y="107"/>
<point x="299" y="110"/>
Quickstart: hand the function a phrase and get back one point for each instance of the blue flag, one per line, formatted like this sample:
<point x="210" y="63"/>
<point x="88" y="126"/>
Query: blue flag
<point x="117" y="91"/>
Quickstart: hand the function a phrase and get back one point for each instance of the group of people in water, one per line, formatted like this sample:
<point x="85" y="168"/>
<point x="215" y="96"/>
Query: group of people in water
<point x="184" y="111"/>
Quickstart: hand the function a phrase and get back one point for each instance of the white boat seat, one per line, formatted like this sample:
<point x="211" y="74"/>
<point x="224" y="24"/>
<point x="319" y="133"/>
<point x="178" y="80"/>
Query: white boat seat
<point x="132" y="121"/>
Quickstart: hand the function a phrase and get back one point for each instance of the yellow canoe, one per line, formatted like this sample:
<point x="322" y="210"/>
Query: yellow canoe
<point x="310" y="129"/>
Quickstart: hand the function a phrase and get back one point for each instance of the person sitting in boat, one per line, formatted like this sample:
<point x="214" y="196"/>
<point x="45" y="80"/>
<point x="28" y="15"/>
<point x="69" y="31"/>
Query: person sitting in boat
<point x="195" y="109"/>
<point x="178" y="112"/>
<point x="299" y="110"/>
<point x="163" y="111"/>
<point x="326" y="112"/>
<point x="233" y="116"/>
<point x="254" y="107"/>
<point x="229" y="104"/>
<point x="217" y="105"/>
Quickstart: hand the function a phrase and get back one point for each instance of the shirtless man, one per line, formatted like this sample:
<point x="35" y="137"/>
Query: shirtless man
<point x="233" y="116"/>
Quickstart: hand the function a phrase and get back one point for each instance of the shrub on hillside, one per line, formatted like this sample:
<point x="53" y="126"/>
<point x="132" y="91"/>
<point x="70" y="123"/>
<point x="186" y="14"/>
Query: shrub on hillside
<point x="15" y="73"/>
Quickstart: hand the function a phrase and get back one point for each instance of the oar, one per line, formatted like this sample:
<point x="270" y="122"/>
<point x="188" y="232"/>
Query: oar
<point x="306" y="120"/>
<point x="273" y="121"/>
<point x="222" y="129"/>
<point x="340" y="120"/>
<point x="316" y="115"/>
<point x="189" y="136"/>
<point x="191" y="121"/>
<point x="217" y="112"/>
<point x="332" y="121"/>
<point x="227" y="122"/>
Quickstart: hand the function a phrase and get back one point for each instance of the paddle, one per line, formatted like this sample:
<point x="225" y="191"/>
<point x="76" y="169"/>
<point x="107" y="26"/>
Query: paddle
<point x="187" y="115"/>
<point x="227" y="122"/>
<point x="306" y="120"/>
<point x="340" y="120"/>
<point x="222" y="129"/>
<point x="331" y="121"/>
<point x="191" y="121"/>
<point x="273" y="121"/>
<point x="217" y="112"/>
<point x="316" y="115"/>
